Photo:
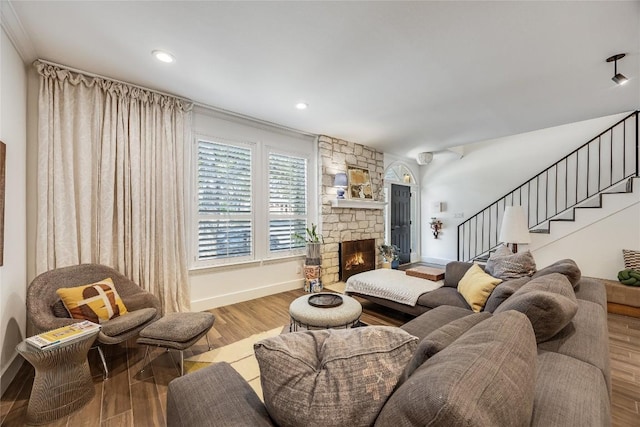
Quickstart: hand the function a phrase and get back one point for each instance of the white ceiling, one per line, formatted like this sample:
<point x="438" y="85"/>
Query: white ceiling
<point x="403" y="77"/>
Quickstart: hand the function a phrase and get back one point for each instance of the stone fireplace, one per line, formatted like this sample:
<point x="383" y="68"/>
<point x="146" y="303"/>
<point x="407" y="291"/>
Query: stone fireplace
<point x="356" y="256"/>
<point x="342" y="224"/>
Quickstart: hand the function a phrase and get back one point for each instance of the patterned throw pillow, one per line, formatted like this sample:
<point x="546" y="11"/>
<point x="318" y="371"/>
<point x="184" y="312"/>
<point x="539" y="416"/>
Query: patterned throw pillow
<point x="332" y="377"/>
<point x="506" y="265"/>
<point x="97" y="302"/>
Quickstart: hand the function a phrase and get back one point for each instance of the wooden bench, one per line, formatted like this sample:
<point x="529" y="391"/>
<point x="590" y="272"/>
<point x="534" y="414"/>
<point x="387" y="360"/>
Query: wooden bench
<point x="622" y="299"/>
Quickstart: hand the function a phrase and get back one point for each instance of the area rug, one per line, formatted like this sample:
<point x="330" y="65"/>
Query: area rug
<point x="239" y="355"/>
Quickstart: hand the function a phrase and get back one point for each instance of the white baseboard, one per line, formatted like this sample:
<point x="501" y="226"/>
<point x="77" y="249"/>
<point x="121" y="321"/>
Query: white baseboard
<point x="245" y="295"/>
<point x="439" y="261"/>
<point x="10" y="373"/>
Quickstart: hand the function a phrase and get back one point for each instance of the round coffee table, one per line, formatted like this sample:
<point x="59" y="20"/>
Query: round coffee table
<point x="307" y="316"/>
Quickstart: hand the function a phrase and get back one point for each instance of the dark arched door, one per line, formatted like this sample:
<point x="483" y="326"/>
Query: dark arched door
<point x="401" y="220"/>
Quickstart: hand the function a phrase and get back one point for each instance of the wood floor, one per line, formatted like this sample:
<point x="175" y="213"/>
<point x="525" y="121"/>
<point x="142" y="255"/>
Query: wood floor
<point x="131" y="398"/>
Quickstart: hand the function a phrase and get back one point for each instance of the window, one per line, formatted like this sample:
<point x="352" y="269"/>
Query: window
<point x="251" y="200"/>
<point x="225" y="222"/>
<point x="287" y="201"/>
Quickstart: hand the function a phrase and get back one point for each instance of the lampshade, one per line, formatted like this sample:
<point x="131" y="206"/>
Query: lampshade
<point x="514" y="226"/>
<point x="340" y="180"/>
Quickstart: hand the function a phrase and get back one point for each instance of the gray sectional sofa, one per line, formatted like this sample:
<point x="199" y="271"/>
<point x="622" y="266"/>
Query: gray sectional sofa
<point x="537" y="355"/>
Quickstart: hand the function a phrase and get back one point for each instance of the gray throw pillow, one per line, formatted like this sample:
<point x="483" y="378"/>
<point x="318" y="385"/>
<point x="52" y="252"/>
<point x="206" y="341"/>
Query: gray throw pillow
<point x="439" y="339"/>
<point x="503" y="291"/>
<point x="332" y="377"/>
<point x="506" y="265"/>
<point x="568" y="267"/>
<point x="548" y="301"/>
<point x="484" y="378"/>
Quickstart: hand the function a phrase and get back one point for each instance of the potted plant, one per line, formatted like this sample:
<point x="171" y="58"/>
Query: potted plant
<point x="313" y="240"/>
<point x="390" y="256"/>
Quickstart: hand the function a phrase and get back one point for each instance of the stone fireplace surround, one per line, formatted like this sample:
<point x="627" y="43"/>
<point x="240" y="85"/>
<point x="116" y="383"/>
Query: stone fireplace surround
<point x="345" y="224"/>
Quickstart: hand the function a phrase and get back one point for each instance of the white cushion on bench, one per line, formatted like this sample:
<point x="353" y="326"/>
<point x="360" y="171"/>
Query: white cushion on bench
<point x="393" y="285"/>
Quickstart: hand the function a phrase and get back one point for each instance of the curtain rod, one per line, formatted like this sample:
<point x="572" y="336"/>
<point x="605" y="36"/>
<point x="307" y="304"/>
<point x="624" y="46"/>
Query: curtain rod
<point x="90" y="74"/>
<point x="195" y="103"/>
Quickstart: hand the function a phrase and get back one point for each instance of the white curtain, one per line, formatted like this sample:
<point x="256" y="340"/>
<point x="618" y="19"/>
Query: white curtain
<point x="111" y="180"/>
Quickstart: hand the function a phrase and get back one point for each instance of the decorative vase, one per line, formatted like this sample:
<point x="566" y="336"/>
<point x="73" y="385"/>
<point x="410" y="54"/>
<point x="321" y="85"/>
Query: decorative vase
<point x="313" y="253"/>
<point x="395" y="264"/>
<point x="386" y="264"/>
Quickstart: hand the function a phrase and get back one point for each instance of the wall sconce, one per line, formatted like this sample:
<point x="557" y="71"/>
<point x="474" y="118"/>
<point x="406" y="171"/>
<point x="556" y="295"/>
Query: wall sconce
<point x="436" y="226"/>
<point x="340" y="182"/>
<point x="617" y="77"/>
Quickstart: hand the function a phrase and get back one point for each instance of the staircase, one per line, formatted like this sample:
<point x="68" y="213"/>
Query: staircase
<point x="604" y="165"/>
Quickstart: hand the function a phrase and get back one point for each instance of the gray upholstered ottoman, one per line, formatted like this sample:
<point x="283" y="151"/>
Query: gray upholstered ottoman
<point x="177" y="331"/>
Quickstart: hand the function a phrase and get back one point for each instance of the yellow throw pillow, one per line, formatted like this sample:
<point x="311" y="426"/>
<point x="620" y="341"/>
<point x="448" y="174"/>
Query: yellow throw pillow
<point x="97" y="302"/>
<point x="476" y="286"/>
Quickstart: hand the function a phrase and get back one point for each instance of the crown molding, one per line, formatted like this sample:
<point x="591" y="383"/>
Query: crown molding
<point x="16" y="32"/>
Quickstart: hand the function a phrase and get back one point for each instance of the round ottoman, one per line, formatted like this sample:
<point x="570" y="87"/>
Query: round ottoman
<point x="305" y="315"/>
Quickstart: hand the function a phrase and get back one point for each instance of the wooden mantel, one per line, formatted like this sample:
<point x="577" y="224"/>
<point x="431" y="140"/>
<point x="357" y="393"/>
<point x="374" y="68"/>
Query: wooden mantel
<point x="357" y="204"/>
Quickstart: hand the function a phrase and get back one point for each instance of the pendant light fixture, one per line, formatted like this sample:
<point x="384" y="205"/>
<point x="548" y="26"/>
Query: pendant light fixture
<point x="618" y="78"/>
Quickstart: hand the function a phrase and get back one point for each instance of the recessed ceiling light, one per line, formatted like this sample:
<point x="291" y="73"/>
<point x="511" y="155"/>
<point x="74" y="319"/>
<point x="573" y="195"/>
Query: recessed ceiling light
<point x="302" y="105"/>
<point x="163" y="56"/>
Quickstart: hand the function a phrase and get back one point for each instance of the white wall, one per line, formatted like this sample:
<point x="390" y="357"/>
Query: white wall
<point x="13" y="98"/>
<point x="490" y="169"/>
<point x="222" y="285"/>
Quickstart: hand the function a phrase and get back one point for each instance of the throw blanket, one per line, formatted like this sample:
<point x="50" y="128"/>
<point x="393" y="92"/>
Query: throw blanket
<point x="391" y="284"/>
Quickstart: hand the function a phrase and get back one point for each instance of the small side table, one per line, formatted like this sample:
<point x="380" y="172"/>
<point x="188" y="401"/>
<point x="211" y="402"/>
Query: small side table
<point x="306" y="316"/>
<point x="62" y="382"/>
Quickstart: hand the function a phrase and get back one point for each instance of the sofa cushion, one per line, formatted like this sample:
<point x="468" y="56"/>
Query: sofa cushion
<point x="548" y="301"/>
<point x="568" y="267"/>
<point x="332" y="377"/>
<point x="569" y="392"/>
<point x="503" y="291"/>
<point x="484" y="378"/>
<point x="596" y="291"/>
<point x="428" y="322"/>
<point x="454" y="271"/>
<point x="476" y="286"/>
<point x="506" y="265"/>
<point x="583" y="338"/>
<point x="439" y="339"/>
<point x="443" y="296"/>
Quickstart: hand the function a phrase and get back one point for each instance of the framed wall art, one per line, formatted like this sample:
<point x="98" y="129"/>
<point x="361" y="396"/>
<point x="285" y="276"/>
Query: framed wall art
<point x="359" y="183"/>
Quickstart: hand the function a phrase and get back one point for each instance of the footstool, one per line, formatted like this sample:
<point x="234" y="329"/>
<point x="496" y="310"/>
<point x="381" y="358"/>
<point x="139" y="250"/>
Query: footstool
<point x="177" y="331"/>
<point x="307" y="316"/>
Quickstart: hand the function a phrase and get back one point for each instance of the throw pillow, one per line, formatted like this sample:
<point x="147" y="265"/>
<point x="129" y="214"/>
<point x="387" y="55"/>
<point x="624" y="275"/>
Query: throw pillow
<point x="503" y="291"/>
<point x="568" y="267"/>
<point x="548" y="301"/>
<point x="631" y="259"/>
<point x="506" y="265"/>
<point x="97" y="302"/>
<point x="484" y="378"/>
<point x="476" y="286"/>
<point x="332" y="377"/>
<point x="439" y="339"/>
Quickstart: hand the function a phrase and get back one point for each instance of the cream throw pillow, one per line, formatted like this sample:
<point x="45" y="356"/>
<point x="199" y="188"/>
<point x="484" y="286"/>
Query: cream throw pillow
<point x="476" y="286"/>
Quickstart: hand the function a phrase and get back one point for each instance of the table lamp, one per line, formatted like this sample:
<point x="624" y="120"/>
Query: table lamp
<point x="340" y="182"/>
<point x="514" y="228"/>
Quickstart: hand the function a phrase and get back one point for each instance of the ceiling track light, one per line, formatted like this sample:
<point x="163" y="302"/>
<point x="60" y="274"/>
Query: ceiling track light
<point x="617" y="77"/>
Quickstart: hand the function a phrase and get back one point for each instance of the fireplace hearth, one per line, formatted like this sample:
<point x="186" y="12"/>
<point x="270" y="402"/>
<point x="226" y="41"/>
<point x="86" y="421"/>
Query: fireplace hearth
<point x="357" y="256"/>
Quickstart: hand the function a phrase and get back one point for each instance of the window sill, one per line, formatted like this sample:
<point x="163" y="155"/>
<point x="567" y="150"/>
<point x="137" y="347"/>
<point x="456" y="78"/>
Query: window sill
<point x="204" y="269"/>
<point x="357" y="204"/>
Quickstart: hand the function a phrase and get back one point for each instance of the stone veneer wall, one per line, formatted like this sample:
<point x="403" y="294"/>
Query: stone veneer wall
<point x="340" y="224"/>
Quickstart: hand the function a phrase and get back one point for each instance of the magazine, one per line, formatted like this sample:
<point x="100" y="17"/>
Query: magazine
<point x="64" y="334"/>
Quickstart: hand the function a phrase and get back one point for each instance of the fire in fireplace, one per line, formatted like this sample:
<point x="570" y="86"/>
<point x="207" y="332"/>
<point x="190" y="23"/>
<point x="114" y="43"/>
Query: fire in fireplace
<point x="357" y="256"/>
